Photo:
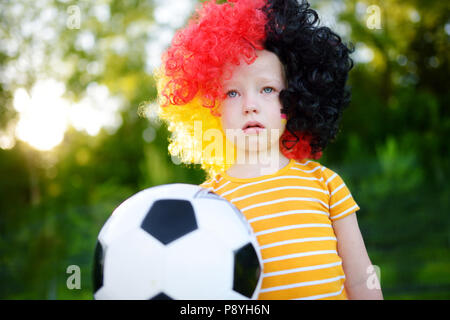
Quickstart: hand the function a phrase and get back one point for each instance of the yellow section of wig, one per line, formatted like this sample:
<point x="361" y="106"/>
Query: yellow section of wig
<point x="196" y="135"/>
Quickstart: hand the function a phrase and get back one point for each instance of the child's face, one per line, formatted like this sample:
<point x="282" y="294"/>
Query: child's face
<point x="252" y="94"/>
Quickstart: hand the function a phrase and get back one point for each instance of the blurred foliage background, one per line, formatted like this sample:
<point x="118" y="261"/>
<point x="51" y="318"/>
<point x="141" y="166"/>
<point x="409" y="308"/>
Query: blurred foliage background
<point x="78" y="134"/>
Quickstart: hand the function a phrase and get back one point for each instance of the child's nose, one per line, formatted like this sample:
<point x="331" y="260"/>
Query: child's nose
<point x="250" y="105"/>
<point x="250" y="109"/>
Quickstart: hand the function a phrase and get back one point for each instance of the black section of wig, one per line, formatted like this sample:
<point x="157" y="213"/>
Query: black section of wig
<point x="316" y="64"/>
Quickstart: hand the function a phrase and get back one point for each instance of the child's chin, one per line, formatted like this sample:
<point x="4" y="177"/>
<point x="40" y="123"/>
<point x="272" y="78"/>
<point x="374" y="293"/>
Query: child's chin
<point x="254" y="144"/>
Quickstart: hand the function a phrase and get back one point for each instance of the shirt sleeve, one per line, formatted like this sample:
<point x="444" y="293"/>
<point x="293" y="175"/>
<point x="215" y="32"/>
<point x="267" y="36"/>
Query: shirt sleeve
<point x="341" y="203"/>
<point x="211" y="183"/>
<point x="207" y="184"/>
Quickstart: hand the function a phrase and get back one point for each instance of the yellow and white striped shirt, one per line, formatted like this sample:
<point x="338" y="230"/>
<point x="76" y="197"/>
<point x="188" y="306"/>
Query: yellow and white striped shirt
<point x="291" y="213"/>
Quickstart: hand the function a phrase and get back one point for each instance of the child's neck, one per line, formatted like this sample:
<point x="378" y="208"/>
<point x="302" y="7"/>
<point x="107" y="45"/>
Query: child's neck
<point x="255" y="167"/>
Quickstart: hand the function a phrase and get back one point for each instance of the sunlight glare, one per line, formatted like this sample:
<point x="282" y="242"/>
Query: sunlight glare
<point x="43" y="115"/>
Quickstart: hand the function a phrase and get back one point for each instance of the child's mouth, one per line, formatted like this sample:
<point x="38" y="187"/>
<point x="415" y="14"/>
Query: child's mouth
<point x="252" y="130"/>
<point x="252" y="127"/>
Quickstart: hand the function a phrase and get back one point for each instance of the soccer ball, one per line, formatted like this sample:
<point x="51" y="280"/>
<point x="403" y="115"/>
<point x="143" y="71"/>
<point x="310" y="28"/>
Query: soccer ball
<point x="176" y="241"/>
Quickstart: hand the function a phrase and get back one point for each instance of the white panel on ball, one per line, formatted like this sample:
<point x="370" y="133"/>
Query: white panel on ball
<point x="198" y="267"/>
<point x="134" y="255"/>
<point x="127" y="216"/>
<point x="215" y="216"/>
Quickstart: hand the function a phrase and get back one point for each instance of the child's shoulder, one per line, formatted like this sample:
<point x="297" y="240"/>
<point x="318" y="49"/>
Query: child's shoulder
<point x="315" y="169"/>
<point x="212" y="182"/>
<point x="309" y="166"/>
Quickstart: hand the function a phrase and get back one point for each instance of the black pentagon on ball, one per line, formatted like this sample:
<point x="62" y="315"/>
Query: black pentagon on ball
<point x="97" y="273"/>
<point x="246" y="270"/>
<point x="161" y="296"/>
<point x="169" y="219"/>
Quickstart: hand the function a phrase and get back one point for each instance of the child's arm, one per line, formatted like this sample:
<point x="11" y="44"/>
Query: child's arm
<point x="355" y="260"/>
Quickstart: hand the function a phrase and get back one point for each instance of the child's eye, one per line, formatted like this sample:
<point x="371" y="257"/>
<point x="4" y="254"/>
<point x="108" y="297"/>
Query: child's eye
<point x="232" y="94"/>
<point x="268" y="90"/>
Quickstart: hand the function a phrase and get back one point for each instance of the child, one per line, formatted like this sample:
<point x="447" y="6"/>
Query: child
<point x="269" y="85"/>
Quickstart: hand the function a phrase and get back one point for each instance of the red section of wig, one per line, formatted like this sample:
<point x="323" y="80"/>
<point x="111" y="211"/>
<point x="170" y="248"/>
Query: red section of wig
<point x="293" y="149"/>
<point x="200" y="54"/>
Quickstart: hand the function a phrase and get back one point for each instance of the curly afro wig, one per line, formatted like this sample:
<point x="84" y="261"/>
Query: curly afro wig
<point x="218" y="37"/>
<point x="316" y="65"/>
